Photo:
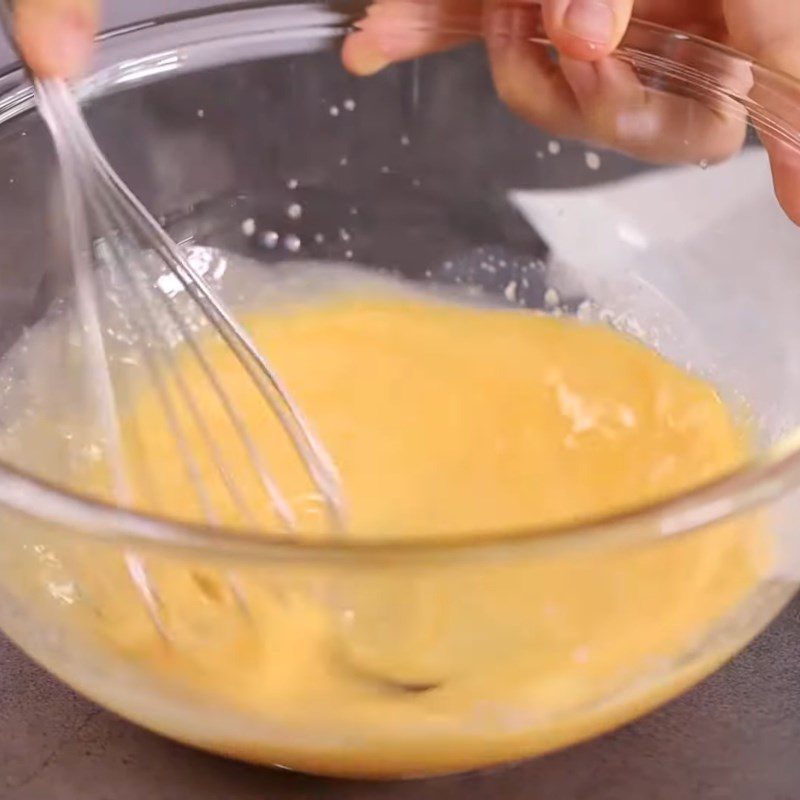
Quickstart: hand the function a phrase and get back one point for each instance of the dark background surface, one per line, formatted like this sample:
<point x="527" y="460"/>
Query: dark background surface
<point x="735" y="737"/>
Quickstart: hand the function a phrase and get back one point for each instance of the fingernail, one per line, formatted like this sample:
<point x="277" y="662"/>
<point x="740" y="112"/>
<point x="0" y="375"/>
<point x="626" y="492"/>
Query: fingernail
<point x="591" y="20"/>
<point x="364" y="57"/>
<point x="371" y="61"/>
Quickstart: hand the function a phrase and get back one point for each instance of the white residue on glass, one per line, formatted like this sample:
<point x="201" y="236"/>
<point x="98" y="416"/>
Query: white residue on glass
<point x="585" y="312"/>
<point x="551" y="298"/>
<point x="593" y="160"/>
<point x="292" y="243"/>
<point x="270" y="239"/>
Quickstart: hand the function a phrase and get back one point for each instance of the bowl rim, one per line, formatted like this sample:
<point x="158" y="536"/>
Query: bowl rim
<point x="757" y="482"/>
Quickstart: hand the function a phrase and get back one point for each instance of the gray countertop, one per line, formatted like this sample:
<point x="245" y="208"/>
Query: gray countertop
<point x="735" y="737"/>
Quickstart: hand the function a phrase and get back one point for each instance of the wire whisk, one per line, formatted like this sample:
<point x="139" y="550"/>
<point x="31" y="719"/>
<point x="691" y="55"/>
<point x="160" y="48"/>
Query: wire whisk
<point x="108" y="225"/>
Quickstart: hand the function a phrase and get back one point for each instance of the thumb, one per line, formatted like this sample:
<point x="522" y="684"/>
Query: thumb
<point x="770" y="31"/>
<point x="55" y="36"/>
<point x="586" y="29"/>
<point x="397" y="30"/>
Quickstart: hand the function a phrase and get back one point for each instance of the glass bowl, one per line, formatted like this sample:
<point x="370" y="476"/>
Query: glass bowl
<point x="503" y="644"/>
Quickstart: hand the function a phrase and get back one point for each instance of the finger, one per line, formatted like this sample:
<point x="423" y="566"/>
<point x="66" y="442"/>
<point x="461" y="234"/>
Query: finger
<point x="785" y="162"/>
<point x="527" y="80"/>
<point x="770" y="31"/>
<point x="766" y="29"/>
<point x="397" y="30"/>
<point x="609" y="101"/>
<point x="665" y="126"/>
<point x="702" y="17"/>
<point x="586" y="29"/>
<point x="55" y="36"/>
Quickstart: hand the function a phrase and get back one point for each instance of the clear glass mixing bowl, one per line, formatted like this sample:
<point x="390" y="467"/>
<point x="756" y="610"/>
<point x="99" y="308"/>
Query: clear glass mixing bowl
<point x="222" y="119"/>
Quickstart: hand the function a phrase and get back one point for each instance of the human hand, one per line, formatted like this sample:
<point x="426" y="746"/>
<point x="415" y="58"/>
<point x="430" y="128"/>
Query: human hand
<point x="55" y="36"/>
<point x="588" y="95"/>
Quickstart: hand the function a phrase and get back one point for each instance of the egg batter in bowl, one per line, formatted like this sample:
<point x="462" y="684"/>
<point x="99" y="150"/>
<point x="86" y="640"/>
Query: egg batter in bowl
<point x="444" y="419"/>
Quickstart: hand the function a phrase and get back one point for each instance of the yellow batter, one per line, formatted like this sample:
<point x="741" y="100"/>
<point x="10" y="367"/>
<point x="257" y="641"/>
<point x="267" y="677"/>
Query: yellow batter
<point x="443" y="419"/>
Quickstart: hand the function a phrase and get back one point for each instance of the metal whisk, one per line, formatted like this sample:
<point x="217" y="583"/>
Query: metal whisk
<point x="126" y="236"/>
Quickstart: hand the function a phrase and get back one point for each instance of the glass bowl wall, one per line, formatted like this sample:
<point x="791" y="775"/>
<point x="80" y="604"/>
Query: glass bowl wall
<point x="221" y="120"/>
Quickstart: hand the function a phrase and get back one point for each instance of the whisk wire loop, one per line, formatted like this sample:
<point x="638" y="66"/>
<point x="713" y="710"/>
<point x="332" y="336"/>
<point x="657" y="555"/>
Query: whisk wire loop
<point x="136" y="251"/>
